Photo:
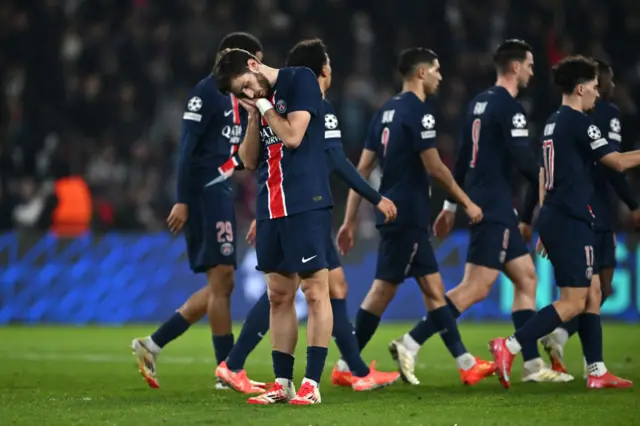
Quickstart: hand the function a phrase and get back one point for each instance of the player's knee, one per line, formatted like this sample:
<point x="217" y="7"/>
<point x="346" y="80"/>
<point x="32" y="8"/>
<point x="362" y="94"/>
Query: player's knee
<point x="281" y="296"/>
<point x="315" y="292"/>
<point x="221" y="281"/>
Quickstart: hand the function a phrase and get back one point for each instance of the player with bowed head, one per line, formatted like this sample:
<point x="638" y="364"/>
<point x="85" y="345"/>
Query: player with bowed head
<point x="284" y="139"/>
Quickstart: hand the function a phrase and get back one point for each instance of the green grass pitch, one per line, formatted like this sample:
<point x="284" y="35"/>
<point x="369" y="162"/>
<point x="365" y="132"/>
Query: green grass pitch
<point x="87" y="376"/>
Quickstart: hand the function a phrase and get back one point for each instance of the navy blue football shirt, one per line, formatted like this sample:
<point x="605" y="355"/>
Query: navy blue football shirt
<point x="294" y="180"/>
<point x="399" y="132"/>
<point x="494" y="142"/>
<point x="570" y="145"/>
<point x="210" y="134"/>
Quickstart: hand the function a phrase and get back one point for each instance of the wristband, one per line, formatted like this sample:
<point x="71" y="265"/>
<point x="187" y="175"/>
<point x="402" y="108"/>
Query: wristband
<point x="449" y="206"/>
<point x="263" y="105"/>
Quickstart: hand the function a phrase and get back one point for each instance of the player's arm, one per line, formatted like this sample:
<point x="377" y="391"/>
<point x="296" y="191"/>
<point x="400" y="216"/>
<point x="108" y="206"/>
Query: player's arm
<point x="605" y="152"/>
<point x="365" y="167"/>
<point x="249" y="150"/>
<point x="461" y="165"/>
<point x="291" y="129"/>
<point x="199" y="110"/>
<point x="440" y="172"/>
<point x="348" y="173"/>
<point x="305" y="101"/>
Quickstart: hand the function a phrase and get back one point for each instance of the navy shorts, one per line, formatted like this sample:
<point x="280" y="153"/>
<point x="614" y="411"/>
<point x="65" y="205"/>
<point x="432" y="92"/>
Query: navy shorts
<point x="404" y="252"/>
<point x="494" y="244"/>
<point x="570" y="246"/>
<point x="605" y="249"/>
<point x="293" y="244"/>
<point x="210" y="229"/>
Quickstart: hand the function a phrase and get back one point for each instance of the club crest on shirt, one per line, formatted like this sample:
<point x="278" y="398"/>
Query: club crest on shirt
<point x="281" y="106"/>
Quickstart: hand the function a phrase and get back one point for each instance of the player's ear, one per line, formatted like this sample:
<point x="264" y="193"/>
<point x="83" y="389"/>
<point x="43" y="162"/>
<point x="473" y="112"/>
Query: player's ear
<point x="253" y="65"/>
<point x="325" y="70"/>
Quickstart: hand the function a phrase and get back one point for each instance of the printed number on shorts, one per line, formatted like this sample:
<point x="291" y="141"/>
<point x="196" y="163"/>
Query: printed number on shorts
<point x="225" y="232"/>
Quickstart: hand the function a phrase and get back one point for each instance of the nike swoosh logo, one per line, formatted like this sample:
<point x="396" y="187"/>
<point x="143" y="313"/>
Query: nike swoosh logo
<point x="305" y="260"/>
<point x="228" y="113"/>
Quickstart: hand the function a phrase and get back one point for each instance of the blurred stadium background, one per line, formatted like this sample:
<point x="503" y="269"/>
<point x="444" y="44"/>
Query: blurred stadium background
<point x="94" y="89"/>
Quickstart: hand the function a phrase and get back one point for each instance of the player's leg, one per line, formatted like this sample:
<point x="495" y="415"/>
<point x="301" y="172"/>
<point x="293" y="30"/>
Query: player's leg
<point x="283" y="322"/>
<point x="351" y="370"/>
<point x="148" y="348"/>
<point x="605" y="254"/>
<point x="481" y="271"/>
<point x="424" y="267"/>
<point x="590" y="332"/>
<point x="569" y="245"/>
<point x="520" y="269"/>
<point x="220" y="280"/>
<point x="394" y="253"/>
<point x="471" y="369"/>
<point x="312" y="233"/>
<point x="231" y="371"/>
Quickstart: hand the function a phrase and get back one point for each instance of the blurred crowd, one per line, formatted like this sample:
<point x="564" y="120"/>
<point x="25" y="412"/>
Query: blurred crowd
<point x="96" y="88"/>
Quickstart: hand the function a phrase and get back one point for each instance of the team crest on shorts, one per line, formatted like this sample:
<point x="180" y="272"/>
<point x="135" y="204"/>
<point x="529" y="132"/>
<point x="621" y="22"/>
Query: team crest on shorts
<point x="589" y="273"/>
<point x="226" y="249"/>
<point x="281" y="106"/>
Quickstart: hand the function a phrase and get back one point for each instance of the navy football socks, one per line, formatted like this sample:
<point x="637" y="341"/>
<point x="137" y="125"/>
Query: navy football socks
<point x="427" y="327"/>
<point x="572" y="326"/>
<point x="366" y="324"/>
<point x="520" y="318"/>
<point x="170" y="330"/>
<point x="253" y="330"/>
<point x="283" y="365"/>
<point x="316" y="359"/>
<point x="222" y="345"/>
<point x="448" y="328"/>
<point x="542" y="323"/>
<point x="590" y="332"/>
<point x="346" y="339"/>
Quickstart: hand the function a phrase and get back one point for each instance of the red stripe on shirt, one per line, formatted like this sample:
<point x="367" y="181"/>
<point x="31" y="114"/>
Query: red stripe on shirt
<point x="236" y="109"/>
<point x="277" y="207"/>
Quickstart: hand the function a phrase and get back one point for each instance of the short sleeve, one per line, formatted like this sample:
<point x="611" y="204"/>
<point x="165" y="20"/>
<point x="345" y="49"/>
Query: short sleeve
<point x="305" y="94"/>
<point x="423" y="129"/>
<point x="615" y="128"/>
<point x="594" y="141"/>
<point x="201" y="106"/>
<point x="514" y="124"/>
<point x="373" y="139"/>
<point x="332" y="133"/>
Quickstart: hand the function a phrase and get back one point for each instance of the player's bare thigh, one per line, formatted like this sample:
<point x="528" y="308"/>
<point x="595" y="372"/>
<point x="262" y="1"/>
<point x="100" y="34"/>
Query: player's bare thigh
<point x="606" y="281"/>
<point x="315" y="285"/>
<point x="474" y="287"/>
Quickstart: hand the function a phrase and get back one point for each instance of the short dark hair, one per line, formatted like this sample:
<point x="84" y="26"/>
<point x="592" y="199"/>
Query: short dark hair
<point x="509" y="51"/>
<point x="240" y="40"/>
<point x="573" y="70"/>
<point x="603" y="66"/>
<point x="308" y="53"/>
<point x="413" y="56"/>
<point x="230" y="64"/>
